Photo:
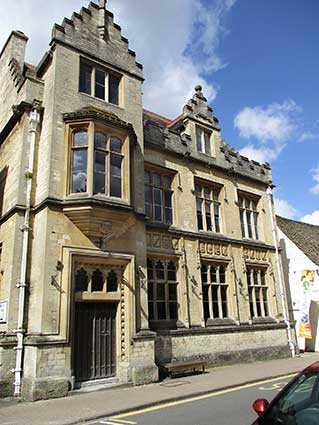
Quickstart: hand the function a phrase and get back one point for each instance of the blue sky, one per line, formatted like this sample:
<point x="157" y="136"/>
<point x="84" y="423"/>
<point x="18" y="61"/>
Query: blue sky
<point x="256" y="60"/>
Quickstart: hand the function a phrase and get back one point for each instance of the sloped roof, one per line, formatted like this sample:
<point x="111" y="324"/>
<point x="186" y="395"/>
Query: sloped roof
<point x="305" y="236"/>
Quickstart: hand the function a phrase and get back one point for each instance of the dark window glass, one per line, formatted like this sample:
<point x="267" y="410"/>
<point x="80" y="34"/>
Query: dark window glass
<point x="151" y="310"/>
<point x="116" y="176"/>
<point x="266" y="310"/>
<point x="204" y="274"/>
<point x="207" y="142"/>
<point x="99" y="172"/>
<point x="97" y="281"/>
<point x="168" y="207"/>
<point x="159" y="267"/>
<point x="114" y="83"/>
<point x="99" y="140"/>
<point x="208" y="216"/>
<point x="147" y="177"/>
<point x="173" y="310"/>
<point x="171" y="272"/>
<point x="156" y="179"/>
<point x="81" y="281"/>
<point x="111" y="282"/>
<point x="199" y="214"/>
<point x="213" y="274"/>
<point x="115" y="145"/>
<point x="199" y="139"/>
<point x="216" y="217"/>
<point x="172" y="292"/>
<point x="148" y="201"/>
<point x="100" y="84"/>
<point x="158" y="204"/>
<point x="161" y="310"/>
<point x="167" y="181"/>
<point x="85" y="78"/>
<point x="258" y="304"/>
<point x="251" y="301"/>
<point x="150" y="269"/>
<point x="224" y="300"/>
<point x="79" y="164"/>
<point x="222" y="274"/>
<point x="205" y="289"/>
<point x="215" y="301"/>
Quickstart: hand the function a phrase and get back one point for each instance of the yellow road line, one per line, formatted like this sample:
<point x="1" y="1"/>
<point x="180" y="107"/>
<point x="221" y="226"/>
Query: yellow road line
<point x="200" y="397"/>
<point x="123" y="422"/>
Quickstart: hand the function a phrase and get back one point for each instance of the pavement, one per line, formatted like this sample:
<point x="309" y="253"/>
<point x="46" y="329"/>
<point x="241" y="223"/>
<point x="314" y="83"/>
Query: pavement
<point x="82" y="406"/>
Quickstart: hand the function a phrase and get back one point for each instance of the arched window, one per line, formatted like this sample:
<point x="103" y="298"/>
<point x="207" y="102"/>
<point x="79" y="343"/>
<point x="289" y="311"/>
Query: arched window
<point x="79" y="161"/>
<point x="112" y="281"/>
<point x="97" y="281"/>
<point x="81" y="280"/>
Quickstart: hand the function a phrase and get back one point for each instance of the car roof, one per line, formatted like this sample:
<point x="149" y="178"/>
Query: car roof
<point x="314" y="367"/>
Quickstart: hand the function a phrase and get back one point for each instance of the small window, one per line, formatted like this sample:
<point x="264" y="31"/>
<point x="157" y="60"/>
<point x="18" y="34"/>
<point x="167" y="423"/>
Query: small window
<point x="203" y="140"/>
<point x="99" y="83"/>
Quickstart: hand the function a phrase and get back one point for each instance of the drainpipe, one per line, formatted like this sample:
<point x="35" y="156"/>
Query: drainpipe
<point x="34" y="120"/>
<point x="279" y="272"/>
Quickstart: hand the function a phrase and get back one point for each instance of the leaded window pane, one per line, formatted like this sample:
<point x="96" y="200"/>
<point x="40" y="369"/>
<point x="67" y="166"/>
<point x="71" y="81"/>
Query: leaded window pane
<point x="80" y="139"/>
<point x="79" y="166"/>
<point x="114" y="84"/>
<point x="207" y="142"/>
<point x="115" y="145"/>
<point x="116" y="176"/>
<point x="100" y="84"/>
<point x="85" y="78"/>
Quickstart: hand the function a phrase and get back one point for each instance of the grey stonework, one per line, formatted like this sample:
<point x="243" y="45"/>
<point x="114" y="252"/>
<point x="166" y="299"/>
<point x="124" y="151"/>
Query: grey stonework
<point x="73" y="230"/>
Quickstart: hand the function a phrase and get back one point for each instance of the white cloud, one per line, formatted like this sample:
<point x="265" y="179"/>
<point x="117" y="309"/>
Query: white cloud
<point x="308" y="135"/>
<point x="312" y="218"/>
<point x="284" y="209"/>
<point x="176" y="41"/>
<point x="315" y="177"/>
<point x="270" y="126"/>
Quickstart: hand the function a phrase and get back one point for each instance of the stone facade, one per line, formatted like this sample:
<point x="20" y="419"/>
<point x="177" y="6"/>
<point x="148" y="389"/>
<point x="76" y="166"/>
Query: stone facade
<point x="105" y="279"/>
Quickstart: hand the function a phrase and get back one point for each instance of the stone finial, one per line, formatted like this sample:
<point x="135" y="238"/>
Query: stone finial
<point x="198" y="88"/>
<point x="102" y="20"/>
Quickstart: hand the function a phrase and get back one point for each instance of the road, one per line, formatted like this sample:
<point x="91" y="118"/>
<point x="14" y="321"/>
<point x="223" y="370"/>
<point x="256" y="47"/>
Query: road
<point x="226" y="407"/>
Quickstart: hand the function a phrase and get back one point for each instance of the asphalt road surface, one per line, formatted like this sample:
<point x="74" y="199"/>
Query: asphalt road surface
<point x="226" y="407"/>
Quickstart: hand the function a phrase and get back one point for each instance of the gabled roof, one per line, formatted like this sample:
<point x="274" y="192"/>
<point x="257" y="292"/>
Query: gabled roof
<point x="305" y="236"/>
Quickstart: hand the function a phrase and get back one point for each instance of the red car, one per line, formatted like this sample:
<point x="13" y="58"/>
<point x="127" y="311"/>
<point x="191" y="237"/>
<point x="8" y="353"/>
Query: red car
<point x="296" y="404"/>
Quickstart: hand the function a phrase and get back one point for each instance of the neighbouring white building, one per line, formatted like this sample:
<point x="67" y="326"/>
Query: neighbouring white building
<point x="300" y="253"/>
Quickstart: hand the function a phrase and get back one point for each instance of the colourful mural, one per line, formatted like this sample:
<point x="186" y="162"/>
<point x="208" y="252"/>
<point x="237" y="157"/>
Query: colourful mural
<point x="307" y="280"/>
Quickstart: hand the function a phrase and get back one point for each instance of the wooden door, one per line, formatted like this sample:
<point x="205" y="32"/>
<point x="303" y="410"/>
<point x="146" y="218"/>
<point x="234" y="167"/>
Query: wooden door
<point x="94" y="347"/>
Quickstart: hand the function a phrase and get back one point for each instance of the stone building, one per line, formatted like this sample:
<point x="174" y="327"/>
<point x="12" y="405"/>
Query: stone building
<point x="128" y="240"/>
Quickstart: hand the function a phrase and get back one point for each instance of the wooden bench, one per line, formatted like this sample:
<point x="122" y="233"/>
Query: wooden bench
<point x="180" y="366"/>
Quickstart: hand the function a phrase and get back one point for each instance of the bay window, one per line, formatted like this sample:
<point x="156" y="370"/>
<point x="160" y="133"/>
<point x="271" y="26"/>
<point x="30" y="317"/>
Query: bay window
<point x="98" y="161"/>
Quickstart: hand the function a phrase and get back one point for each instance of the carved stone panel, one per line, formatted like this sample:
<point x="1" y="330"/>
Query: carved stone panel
<point x="214" y="249"/>
<point x="161" y="241"/>
<point x="255" y="254"/>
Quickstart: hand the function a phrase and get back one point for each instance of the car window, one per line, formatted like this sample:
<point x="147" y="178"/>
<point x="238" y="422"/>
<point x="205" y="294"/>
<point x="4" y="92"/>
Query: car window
<point x="298" y="405"/>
